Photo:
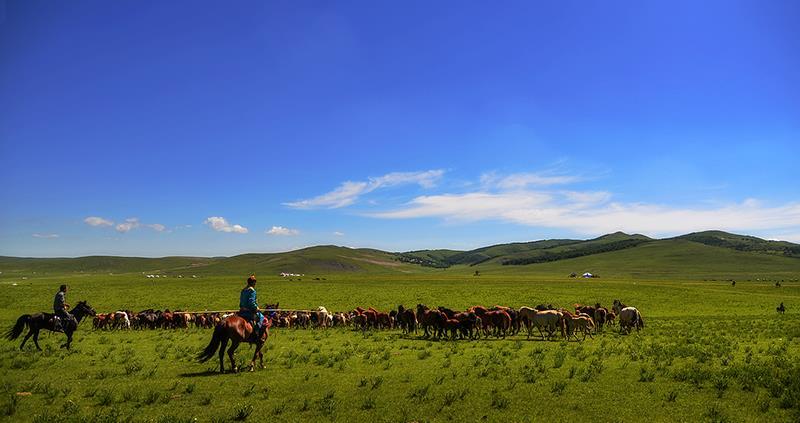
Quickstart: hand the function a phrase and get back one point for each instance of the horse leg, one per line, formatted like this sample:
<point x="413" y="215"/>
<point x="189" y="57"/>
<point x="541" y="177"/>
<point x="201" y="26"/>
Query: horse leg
<point x="231" y="350"/>
<point x="36" y="340"/>
<point x="255" y="355"/>
<point x="222" y="354"/>
<point x="30" y="332"/>
<point x="69" y="340"/>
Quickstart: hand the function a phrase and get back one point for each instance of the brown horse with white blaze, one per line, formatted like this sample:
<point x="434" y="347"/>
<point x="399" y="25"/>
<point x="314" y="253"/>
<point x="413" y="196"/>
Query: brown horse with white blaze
<point x="235" y="329"/>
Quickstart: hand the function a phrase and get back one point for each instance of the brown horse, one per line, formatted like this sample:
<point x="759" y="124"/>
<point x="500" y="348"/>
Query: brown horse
<point x="38" y="321"/>
<point x="237" y="330"/>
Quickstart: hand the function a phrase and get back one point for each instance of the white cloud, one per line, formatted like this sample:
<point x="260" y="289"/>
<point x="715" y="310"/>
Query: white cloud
<point x="219" y="224"/>
<point x="156" y="227"/>
<point x="506" y="199"/>
<point x="128" y="225"/>
<point x="45" y="236"/>
<point x="337" y="233"/>
<point x="97" y="221"/>
<point x="124" y="227"/>
<point x="791" y="237"/>
<point x="280" y="230"/>
<point x="348" y="192"/>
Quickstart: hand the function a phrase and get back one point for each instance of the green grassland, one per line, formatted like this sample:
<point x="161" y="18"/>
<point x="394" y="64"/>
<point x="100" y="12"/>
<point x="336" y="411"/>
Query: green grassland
<point x="709" y="351"/>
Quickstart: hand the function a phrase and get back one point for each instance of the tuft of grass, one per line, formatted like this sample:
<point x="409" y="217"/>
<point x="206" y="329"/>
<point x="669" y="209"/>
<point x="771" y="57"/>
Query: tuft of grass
<point x="558" y="387"/>
<point x="368" y="403"/>
<point x="9" y="408"/>
<point x="672" y="396"/>
<point x="646" y="375"/>
<point x="714" y="415"/>
<point x="105" y="397"/>
<point x="242" y="412"/>
<point x="327" y="404"/>
<point x="499" y="401"/>
<point x="420" y="394"/>
<point x="558" y="359"/>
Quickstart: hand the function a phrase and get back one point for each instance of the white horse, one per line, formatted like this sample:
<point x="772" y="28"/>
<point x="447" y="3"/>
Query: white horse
<point x="629" y="318"/>
<point x="324" y="318"/>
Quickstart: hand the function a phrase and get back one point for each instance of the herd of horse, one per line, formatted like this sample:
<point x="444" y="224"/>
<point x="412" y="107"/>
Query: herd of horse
<point x="439" y="323"/>
<point x="442" y="322"/>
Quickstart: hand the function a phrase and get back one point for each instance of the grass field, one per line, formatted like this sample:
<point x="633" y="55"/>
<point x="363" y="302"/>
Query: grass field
<point x="709" y="352"/>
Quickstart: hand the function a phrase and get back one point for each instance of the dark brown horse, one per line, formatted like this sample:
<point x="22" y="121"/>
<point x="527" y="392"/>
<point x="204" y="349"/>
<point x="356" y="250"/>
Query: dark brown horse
<point x="38" y="321"/>
<point x="237" y="330"/>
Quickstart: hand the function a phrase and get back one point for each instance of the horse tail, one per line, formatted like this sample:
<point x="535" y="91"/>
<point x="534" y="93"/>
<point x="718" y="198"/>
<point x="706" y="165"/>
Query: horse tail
<point x="212" y="347"/>
<point x="639" y="318"/>
<point x="14" y="332"/>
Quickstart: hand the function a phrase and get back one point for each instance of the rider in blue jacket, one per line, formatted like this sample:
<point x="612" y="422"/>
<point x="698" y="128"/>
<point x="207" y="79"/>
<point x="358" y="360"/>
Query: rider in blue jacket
<point x="248" y="306"/>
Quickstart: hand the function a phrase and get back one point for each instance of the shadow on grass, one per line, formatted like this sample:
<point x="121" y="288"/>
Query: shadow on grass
<point x="203" y="374"/>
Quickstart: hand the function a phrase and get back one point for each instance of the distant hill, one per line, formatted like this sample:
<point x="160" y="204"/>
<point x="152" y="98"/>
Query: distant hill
<point x="318" y="260"/>
<point x="744" y="243"/>
<point x="314" y="260"/>
<point x="670" y="258"/>
<point x="99" y="264"/>
<point x="710" y="252"/>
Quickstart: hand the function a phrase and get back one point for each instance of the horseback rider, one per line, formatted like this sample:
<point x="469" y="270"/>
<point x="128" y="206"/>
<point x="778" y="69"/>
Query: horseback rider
<point x="60" y="307"/>
<point x="781" y="309"/>
<point x="248" y="307"/>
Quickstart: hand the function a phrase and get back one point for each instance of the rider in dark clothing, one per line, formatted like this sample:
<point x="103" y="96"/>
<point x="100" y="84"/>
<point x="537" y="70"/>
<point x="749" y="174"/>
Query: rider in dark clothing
<point x="60" y="307"/>
<point x="248" y="307"/>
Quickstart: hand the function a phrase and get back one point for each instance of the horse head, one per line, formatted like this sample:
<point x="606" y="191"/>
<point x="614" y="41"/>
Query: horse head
<point x="82" y="309"/>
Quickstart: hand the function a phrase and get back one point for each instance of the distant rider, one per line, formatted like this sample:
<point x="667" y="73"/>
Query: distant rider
<point x="60" y="307"/>
<point x="248" y="307"/>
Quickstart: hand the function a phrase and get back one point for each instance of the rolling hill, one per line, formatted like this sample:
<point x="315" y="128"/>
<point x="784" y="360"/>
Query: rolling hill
<point x="711" y="253"/>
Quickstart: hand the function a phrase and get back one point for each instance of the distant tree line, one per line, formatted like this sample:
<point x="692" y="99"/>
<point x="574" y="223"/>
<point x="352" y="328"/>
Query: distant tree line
<point x="548" y="256"/>
<point x="427" y="262"/>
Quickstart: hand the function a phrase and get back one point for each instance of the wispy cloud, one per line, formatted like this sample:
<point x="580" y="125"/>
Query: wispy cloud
<point x="219" y="224"/>
<point x="508" y="199"/>
<point x="45" y="236"/>
<point x="524" y="180"/>
<point x="156" y="227"/>
<point x="348" y="192"/>
<point x="280" y="230"/>
<point x="128" y="225"/>
<point x="337" y="233"/>
<point x="97" y="221"/>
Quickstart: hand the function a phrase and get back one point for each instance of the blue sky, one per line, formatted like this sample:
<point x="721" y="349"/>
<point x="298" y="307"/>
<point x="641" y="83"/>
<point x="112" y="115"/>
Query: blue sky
<point x="155" y="128"/>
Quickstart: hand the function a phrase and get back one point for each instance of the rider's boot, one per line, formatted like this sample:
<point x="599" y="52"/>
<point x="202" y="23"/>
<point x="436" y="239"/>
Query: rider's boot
<point x="57" y="324"/>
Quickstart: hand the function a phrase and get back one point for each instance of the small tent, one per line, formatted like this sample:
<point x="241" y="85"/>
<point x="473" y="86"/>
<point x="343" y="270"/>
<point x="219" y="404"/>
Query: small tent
<point x="587" y="275"/>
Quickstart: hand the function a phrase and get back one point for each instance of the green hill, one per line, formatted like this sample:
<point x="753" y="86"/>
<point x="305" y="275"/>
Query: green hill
<point x="447" y="258"/>
<point x="99" y="264"/>
<point x="709" y="254"/>
<point x="314" y="260"/>
<point x="605" y="243"/>
<point x="744" y="243"/>
<point x="670" y="258"/>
